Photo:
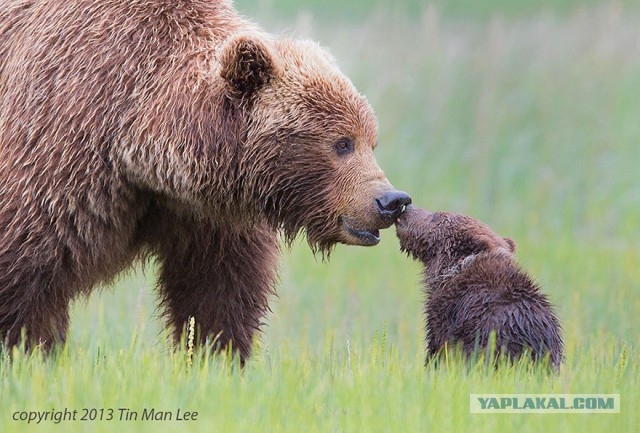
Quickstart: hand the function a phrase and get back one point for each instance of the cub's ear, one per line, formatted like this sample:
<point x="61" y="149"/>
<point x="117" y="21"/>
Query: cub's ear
<point x="247" y="64"/>
<point x="511" y="243"/>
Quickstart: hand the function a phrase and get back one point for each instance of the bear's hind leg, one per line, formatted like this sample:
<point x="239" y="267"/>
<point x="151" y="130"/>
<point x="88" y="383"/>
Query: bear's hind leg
<point x="221" y="276"/>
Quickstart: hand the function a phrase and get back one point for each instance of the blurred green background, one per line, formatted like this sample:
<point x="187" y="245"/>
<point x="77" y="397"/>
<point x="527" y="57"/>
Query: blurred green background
<point x="523" y="114"/>
<point x="340" y="10"/>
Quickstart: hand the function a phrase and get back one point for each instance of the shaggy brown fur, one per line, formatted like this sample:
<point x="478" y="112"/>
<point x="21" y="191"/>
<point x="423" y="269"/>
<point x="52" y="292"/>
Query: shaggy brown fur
<point x="474" y="286"/>
<point x="174" y="128"/>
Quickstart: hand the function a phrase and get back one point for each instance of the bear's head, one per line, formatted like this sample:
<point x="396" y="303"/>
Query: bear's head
<point x="308" y="144"/>
<point x="442" y="240"/>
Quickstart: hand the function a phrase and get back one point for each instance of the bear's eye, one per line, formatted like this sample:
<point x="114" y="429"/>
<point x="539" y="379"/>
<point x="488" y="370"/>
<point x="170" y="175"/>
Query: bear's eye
<point x="344" y="146"/>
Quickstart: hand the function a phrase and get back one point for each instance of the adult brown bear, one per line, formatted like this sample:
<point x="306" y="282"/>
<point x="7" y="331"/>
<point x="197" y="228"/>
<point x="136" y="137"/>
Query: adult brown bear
<point x="179" y="129"/>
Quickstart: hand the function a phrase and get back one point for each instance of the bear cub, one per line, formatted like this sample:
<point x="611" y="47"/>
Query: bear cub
<point x="474" y="286"/>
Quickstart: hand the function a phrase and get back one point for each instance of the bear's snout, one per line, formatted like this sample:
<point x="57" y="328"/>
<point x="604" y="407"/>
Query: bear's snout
<point x="392" y="204"/>
<point x="413" y="216"/>
<point x="370" y="213"/>
<point x="414" y="228"/>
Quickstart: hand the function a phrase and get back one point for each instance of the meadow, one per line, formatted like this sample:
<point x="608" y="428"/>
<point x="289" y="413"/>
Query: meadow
<point x="523" y="114"/>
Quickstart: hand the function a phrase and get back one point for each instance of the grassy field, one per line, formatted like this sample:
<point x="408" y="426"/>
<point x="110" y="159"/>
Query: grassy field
<point x="525" y="115"/>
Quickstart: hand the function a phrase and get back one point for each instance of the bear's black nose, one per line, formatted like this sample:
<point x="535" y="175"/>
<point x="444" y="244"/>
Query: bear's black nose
<point x="391" y="204"/>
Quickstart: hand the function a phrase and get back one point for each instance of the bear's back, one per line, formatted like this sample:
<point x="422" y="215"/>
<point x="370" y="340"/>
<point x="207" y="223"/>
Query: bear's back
<point x="493" y="294"/>
<point x="87" y="83"/>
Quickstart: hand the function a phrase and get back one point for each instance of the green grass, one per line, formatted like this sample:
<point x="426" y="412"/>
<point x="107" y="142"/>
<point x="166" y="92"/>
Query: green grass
<point x="528" y="122"/>
<point x="378" y="388"/>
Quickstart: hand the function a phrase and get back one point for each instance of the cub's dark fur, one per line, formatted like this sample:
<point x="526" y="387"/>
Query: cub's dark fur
<point x="475" y="286"/>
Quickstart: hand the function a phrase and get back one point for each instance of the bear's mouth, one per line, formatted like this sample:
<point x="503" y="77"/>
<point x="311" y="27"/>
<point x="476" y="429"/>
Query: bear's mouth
<point x="364" y="237"/>
<point x="401" y="221"/>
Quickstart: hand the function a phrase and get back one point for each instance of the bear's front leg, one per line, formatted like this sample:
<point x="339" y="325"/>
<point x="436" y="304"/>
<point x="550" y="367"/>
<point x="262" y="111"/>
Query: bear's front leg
<point x="221" y="276"/>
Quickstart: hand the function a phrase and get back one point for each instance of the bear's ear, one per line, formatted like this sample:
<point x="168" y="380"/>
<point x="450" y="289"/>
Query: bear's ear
<point x="247" y="65"/>
<point x="481" y="243"/>
<point x="511" y="243"/>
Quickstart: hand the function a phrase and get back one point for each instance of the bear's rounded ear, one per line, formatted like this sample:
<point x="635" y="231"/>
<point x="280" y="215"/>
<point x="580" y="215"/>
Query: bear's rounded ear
<point x="247" y="64"/>
<point x="511" y="243"/>
<point x="482" y="243"/>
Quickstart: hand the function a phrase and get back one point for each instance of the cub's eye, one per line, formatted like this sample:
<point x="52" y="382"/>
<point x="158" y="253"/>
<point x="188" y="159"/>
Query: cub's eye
<point x="344" y="146"/>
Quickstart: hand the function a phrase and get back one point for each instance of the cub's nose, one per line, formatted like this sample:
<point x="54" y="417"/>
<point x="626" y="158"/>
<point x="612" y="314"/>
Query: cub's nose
<point x="391" y="205"/>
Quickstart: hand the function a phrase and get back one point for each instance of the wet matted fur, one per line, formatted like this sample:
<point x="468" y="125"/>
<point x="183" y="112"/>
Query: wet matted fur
<point x="474" y="286"/>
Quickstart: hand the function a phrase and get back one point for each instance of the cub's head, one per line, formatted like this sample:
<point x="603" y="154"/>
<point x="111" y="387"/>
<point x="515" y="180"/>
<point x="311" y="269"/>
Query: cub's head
<point x="441" y="240"/>
<point x="308" y="160"/>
